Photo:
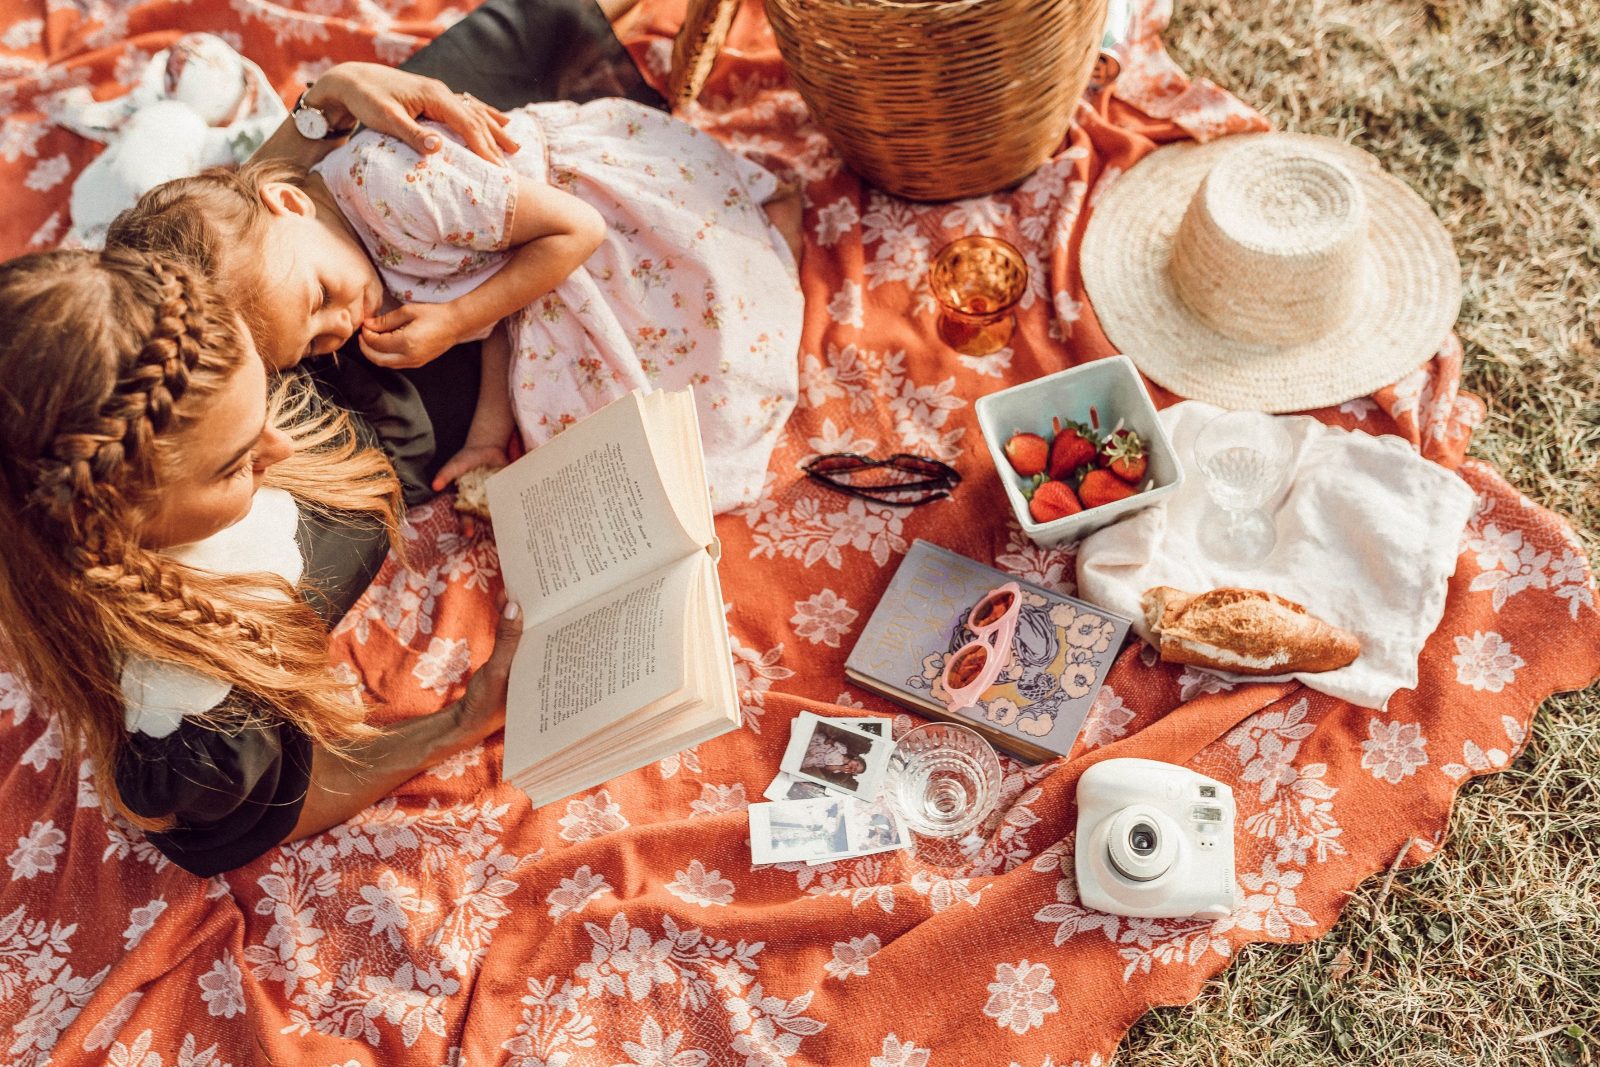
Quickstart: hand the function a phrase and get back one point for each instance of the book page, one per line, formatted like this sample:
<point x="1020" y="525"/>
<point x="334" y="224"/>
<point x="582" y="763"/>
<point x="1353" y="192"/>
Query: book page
<point x="706" y="707"/>
<point x="585" y="513"/>
<point x="675" y="429"/>
<point x="580" y="672"/>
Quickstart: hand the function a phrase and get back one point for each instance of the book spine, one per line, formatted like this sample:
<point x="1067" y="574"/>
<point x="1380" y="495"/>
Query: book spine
<point x="998" y="738"/>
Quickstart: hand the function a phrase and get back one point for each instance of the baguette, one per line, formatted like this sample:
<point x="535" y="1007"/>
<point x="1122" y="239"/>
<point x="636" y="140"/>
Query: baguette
<point x="1244" y="631"/>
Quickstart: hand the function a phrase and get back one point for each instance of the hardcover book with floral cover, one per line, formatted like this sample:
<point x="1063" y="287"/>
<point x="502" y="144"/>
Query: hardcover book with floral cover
<point x="1062" y="651"/>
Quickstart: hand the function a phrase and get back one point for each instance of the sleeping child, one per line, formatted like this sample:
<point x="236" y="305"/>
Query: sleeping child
<point x="618" y="249"/>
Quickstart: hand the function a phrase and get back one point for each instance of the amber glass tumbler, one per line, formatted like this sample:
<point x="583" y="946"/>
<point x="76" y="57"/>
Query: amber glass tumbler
<point x="977" y="282"/>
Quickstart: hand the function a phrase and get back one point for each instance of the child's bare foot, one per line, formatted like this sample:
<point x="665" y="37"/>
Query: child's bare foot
<point x="787" y="211"/>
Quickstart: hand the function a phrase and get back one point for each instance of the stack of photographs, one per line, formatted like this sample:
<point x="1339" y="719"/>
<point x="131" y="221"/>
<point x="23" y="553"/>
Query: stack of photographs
<point x="827" y="797"/>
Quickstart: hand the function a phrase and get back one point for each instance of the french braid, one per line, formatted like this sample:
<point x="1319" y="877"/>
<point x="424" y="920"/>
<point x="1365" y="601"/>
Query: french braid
<point x="80" y="480"/>
<point x="82" y="461"/>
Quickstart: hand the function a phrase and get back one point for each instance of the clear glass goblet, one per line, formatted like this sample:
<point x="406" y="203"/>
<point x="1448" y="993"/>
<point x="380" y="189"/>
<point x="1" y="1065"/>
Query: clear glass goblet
<point x="1243" y="456"/>
<point x="944" y="779"/>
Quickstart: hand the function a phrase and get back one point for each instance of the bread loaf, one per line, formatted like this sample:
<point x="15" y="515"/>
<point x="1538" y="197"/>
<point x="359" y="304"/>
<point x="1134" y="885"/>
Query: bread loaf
<point x="472" y="493"/>
<point x="1244" y="631"/>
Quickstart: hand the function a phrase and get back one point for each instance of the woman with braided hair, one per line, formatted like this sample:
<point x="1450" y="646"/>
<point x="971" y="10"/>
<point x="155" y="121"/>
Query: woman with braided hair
<point x="150" y="496"/>
<point x="175" y="542"/>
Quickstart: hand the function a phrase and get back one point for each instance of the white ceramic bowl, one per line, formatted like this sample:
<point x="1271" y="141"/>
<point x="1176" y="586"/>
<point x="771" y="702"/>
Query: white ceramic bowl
<point x="1113" y="387"/>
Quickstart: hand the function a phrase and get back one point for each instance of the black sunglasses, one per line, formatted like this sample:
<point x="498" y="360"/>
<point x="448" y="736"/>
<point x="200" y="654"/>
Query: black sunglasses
<point x="928" y="479"/>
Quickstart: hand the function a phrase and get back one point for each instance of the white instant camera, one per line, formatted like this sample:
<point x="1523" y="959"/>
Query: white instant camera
<point x="1154" y="840"/>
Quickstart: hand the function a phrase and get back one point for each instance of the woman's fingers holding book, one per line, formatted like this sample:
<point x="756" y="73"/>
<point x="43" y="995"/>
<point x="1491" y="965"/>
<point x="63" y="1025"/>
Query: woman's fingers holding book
<point x="482" y="710"/>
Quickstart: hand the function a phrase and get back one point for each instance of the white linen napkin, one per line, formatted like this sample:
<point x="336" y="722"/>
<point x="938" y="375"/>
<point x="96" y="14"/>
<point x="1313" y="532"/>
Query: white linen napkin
<point x="1368" y="536"/>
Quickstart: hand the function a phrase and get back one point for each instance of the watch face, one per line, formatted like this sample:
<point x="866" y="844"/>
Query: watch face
<point x="310" y="123"/>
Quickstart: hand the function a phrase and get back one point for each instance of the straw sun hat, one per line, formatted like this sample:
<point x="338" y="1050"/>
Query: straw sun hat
<point x="1272" y="271"/>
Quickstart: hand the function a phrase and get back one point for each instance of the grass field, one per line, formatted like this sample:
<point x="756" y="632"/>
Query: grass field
<point x="1490" y="954"/>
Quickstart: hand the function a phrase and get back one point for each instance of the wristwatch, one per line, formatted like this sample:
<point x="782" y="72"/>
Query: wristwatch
<point x="311" y="122"/>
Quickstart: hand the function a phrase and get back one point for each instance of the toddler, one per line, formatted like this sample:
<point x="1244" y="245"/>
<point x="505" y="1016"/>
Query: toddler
<point x="617" y="249"/>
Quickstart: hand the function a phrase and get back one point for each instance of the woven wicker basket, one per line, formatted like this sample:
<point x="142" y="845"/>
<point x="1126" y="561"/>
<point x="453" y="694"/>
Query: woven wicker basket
<point x="939" y="99"/>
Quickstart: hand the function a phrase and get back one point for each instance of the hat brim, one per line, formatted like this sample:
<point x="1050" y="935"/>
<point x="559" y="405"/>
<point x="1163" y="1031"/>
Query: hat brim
<point x="1405" y="310"/>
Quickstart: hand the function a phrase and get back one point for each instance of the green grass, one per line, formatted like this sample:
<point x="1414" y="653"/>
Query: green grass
<point x="1489" y="954"/>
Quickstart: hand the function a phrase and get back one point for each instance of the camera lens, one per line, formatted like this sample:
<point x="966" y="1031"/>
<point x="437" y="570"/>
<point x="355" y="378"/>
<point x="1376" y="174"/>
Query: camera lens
<point x="1141" y="843"/>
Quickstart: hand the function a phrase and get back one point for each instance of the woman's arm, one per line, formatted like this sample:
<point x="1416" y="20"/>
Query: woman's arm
<point x="390" y="101"/>
<point x="341" y="786"/>
<point x="552" y="234"/>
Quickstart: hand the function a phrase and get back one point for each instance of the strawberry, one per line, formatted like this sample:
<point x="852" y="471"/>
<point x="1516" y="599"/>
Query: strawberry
<point x="1073" y="447"/>
<point x="1053" y="500"/>
<point x="1124" y="455"/>
<point x="1028" y="453"/>
<point x="1102" y="487"/>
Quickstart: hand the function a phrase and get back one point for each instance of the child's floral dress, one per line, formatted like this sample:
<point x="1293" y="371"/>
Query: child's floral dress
<point x="692" y="286"/>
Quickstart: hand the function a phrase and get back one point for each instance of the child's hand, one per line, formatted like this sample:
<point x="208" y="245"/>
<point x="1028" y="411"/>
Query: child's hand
<point x="469" y="458"/>
<point x="411" y="335"/>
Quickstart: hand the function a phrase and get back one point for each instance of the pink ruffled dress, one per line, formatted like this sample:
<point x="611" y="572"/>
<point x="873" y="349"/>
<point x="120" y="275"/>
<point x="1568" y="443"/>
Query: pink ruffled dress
<point x="692" y="286"/>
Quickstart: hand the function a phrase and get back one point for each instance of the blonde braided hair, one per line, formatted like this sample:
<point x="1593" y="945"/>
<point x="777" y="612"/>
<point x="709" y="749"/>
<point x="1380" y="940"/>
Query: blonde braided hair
<point x="86" y="464"/>
<point x="105" y="360"/>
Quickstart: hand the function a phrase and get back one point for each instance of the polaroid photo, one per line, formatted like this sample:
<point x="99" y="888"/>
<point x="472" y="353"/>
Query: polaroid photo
<point x="875" y="727"/>
<point x="871" y="828"/>
<point x="843" y="758"/>
<point x="788" y="787"/>
<point x="794" y="831"/>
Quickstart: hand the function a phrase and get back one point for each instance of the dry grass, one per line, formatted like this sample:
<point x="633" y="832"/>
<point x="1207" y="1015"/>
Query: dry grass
<point x="1491" y="109"/>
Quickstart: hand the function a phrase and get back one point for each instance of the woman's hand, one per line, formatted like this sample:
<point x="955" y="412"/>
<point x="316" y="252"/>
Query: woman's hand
<point x="342" y="785"/>
<point x="393" y="101"/>
<point x="482" y="710"/>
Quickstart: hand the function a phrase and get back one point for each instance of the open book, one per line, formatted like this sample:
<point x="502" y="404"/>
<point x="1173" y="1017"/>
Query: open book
<point x="606" y="541"/>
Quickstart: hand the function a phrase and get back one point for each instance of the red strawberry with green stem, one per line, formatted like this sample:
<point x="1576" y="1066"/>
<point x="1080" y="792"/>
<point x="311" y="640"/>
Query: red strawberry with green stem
<point x="1053" y="500"/>
<point x="1028" y="453"/>
<point x="1124" y="454"/>
<point x="1075" y="446"/>
<point x="1102" y="487"/>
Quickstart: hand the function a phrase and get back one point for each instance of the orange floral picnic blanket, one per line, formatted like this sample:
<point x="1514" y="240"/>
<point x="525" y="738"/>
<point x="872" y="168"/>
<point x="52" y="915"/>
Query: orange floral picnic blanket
<point x="451" y="924"/>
